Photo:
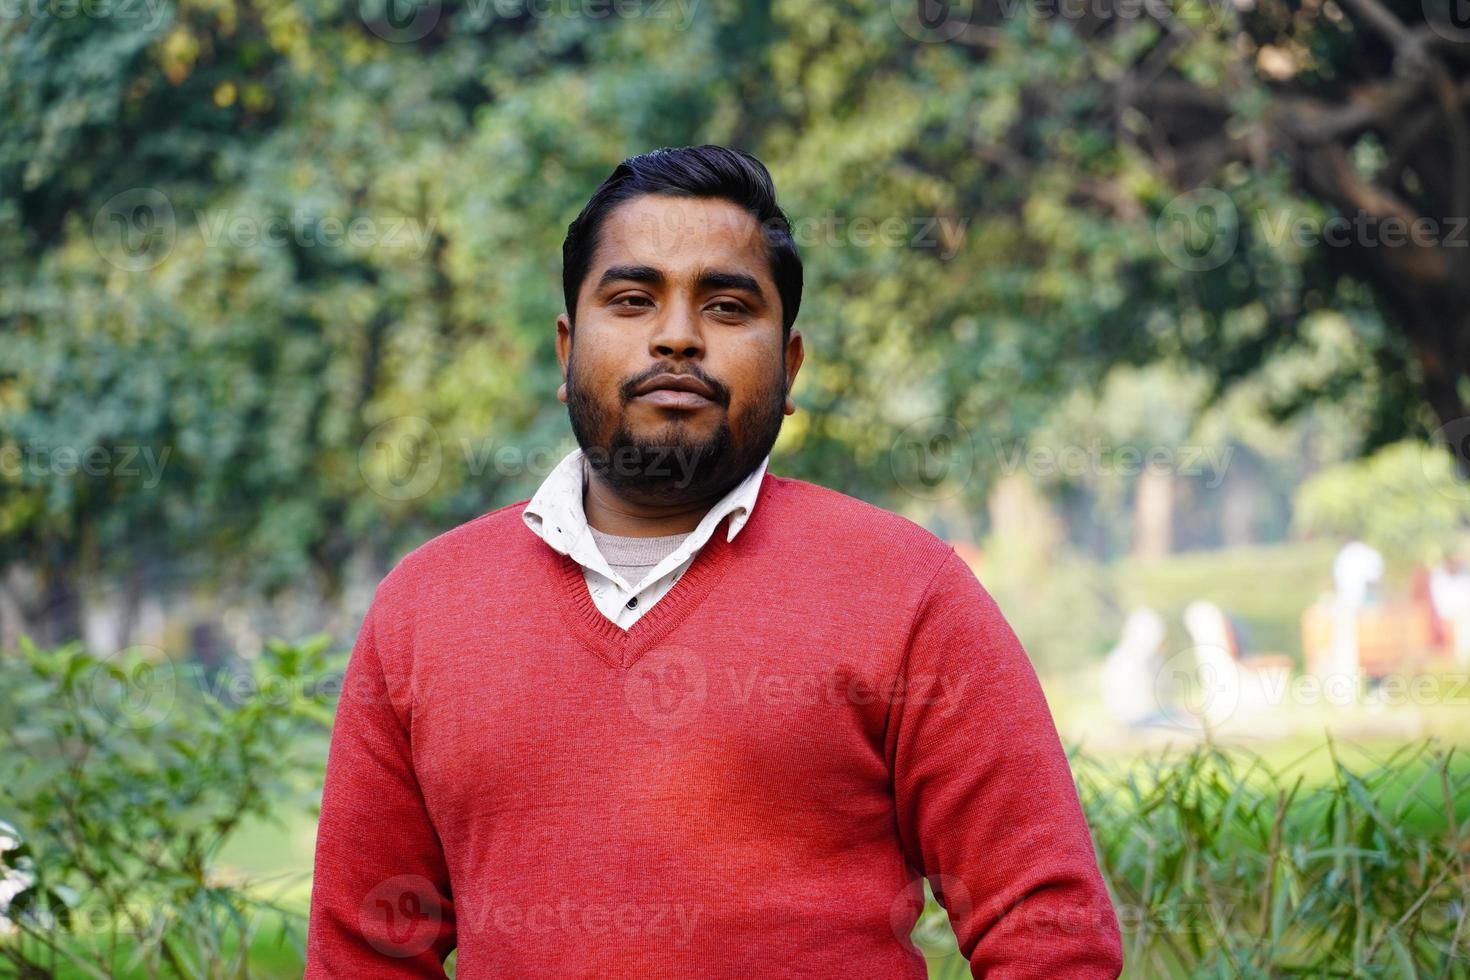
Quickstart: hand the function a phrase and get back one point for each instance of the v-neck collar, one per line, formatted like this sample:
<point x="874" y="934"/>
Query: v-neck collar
<point x="622" y="648"/>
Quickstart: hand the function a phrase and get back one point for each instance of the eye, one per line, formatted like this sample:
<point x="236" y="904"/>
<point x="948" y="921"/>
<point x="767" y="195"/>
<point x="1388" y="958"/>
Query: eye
<point x="631" y="301"/>
<point x="730" y="306"/>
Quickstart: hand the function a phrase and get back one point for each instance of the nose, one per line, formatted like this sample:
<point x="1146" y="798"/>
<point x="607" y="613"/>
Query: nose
<point x="677" y="333"/>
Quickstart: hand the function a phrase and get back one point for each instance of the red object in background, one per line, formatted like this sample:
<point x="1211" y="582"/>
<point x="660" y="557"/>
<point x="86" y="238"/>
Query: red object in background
<point x="1439" y="633"/>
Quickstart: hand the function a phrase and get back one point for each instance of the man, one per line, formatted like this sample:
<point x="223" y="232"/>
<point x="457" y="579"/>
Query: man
<point x="676" y="715"/>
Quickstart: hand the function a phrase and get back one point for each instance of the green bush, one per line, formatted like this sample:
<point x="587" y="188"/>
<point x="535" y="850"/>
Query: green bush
<point x="121" y="779"/>
<point x="1222" y="865"/>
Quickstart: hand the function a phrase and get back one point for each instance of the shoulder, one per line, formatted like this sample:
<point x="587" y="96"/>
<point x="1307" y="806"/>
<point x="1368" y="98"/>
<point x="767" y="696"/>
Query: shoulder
<point x="455" y="553"/>
<point x="845" y="524"/>
<point x="861" y="544"/>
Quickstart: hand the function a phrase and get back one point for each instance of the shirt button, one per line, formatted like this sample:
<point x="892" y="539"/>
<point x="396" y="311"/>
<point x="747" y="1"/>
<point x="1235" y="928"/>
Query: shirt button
<point x="633" y="602"/>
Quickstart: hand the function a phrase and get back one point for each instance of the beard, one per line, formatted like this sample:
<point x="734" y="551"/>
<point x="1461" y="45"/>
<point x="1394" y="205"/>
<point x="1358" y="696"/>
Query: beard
<point x="673" y="461"/>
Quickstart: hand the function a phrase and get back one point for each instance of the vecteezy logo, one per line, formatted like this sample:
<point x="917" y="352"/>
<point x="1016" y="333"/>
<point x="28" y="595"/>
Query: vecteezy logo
<point x="1450" y="19"/>
<point x="930" y="21"/>
<point x="1197" y="686"/>
<point x="1198" y="230"/>
<point x="400" y="21"/>
<point x="135" y="230"/>
<point x="667" y="687"/>
<point x="136" y="687"/>
<point x="401" y="458"/>
<point x="400" y="917"/>
<point x="933" y="458"/>
<point x="930" y="934"/>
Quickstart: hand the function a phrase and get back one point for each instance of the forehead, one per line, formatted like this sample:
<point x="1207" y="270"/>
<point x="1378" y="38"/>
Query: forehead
<point x="681" y="236"/>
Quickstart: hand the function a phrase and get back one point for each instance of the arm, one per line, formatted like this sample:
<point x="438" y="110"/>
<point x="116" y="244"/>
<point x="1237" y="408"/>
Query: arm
<point x="380" y="900"/>
<point x="987" y="808"/>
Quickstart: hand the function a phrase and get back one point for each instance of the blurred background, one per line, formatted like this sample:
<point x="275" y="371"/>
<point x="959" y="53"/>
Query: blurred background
<point x="1158" y="310"/>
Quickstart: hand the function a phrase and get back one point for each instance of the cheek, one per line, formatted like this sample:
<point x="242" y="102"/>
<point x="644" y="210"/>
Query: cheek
<point x="598" y="367"/>
<point x="750" y="364"/>
<point x="591" y="351"/>
<point x="754" y="394"/>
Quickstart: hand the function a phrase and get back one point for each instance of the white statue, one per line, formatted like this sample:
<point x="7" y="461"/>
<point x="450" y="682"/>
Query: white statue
<point x="1128" y="672"/>
<point x="1449" y="592"/>
<point x="1357" y="569"/>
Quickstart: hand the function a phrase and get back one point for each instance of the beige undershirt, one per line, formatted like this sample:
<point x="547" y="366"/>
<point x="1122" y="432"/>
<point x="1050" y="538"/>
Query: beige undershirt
<point x="634" y="558"/>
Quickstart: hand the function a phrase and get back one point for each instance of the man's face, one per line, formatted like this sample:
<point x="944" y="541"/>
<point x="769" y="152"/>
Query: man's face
<point x="677" y="286"/>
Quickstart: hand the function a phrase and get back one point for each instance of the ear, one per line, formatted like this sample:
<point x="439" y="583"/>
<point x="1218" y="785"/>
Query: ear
<point x="795" y="354"/>
<point x="563" y="352"/>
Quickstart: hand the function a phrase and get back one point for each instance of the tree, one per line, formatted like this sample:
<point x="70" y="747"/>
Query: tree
<point x="1344" y="121"/>
<point x="990" y="218"/>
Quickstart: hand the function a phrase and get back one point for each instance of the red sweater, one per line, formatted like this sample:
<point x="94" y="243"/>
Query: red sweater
<point x="747" y="783"/>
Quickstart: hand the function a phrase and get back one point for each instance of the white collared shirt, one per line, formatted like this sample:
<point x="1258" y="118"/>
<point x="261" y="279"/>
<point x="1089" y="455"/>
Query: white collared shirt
<point x="556" y="515"/>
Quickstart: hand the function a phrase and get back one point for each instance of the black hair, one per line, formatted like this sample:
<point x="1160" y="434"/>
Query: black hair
<point x="689" y="171"/>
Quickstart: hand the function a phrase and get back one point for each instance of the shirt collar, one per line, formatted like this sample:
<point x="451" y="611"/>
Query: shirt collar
<point x="556" y="515"/>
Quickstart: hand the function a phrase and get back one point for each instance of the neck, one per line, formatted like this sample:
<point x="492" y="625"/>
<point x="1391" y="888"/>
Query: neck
<point x="612" y="513"/>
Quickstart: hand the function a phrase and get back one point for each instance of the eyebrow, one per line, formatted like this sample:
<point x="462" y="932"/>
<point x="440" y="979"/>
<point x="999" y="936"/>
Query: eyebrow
<point x="709" y="279"/>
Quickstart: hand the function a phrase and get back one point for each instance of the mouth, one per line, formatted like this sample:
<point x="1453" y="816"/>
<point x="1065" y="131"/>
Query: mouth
<point x="677" y="391"/>
<point x="673" y="398"/>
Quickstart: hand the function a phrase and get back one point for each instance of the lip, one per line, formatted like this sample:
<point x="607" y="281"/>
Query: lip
<point x="673" y="398"/>
<point x="676" y="382"/>
<point x="669" y="390"/>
